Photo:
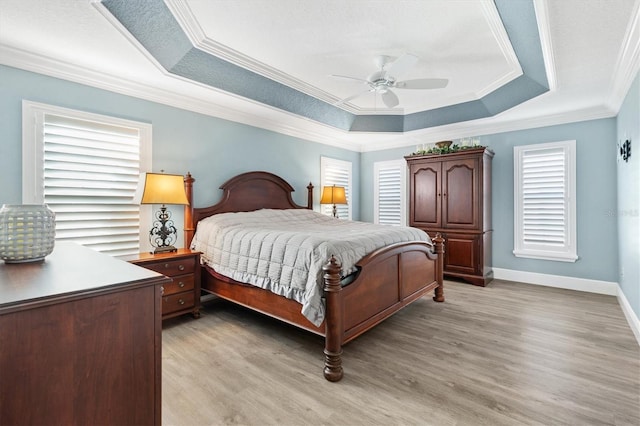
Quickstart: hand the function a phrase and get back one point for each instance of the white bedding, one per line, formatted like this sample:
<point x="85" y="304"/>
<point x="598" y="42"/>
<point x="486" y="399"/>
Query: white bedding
<point x="284" y="250"/>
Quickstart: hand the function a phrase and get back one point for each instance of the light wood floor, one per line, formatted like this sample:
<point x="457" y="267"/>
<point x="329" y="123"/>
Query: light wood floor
<point x="507" y="354"/>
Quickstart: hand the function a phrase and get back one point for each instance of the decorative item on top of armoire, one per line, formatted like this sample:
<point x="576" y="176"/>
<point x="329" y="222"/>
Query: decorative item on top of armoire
<point x="27" y="232"/>
<point x="450" y="193"/>
<point x="444" y="144"/>
<point x="447" y="147"/>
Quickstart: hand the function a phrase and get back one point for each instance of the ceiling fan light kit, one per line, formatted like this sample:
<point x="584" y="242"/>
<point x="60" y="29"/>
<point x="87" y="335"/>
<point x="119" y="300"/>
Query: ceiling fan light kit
<point x="381" y="82"/>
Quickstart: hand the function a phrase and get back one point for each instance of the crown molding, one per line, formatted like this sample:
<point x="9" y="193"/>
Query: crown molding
<point x="544" y="31"/>
<point x="299" y="127"/>
<point x="628" y="63"/>
<point x="488" y="126"/>
<point x="196" y="35"/>
<point x="296" y="126"/>
<point x="502" y="39"/>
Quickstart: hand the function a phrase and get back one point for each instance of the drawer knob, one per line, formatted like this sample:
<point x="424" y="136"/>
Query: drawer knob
<point x="181" y="284"/>
<point x="166" y="265"/>
<point x="181" y="267"/>
<point x="180" y="302"/>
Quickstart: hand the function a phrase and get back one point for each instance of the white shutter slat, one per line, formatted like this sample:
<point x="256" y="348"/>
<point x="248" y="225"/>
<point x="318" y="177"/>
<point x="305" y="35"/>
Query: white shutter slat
<point x="90" y="176"/>
<point x="543" y="183"/>
<point x="388" y="203"/>
<point x="389" y="197"/>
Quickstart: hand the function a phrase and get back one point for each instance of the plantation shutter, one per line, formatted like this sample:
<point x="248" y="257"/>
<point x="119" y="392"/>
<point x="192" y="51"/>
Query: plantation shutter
<point x="389" y="190"/>
<point x="543" y="191"/>
<point x="545" y="201"/>
<point x="90" y="175"/>
<point x="338" y="173"/>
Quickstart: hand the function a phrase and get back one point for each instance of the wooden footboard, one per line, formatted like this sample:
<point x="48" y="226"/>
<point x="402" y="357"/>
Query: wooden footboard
<point x="388" y="280"/>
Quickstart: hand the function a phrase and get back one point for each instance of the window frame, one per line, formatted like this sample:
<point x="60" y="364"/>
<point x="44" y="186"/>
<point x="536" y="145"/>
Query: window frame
<point x="347" y="167"/>
<point x="400" y="165"/>
<point x="562" y="253"/>
<point x="33" y="114"/>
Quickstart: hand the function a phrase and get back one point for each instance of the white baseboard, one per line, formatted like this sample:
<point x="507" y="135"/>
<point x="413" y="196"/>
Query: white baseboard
<point x="572" y="283"/>
<point x="558" y="281"/>
<point x="631" y="316"/>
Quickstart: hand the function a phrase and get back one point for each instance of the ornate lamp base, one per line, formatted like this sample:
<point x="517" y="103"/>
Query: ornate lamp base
<point x="163" y="234"/>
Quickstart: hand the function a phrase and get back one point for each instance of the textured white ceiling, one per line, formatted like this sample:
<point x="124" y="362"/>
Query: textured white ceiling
<point x="591" y="52"/>
<point x="304" y="43"/>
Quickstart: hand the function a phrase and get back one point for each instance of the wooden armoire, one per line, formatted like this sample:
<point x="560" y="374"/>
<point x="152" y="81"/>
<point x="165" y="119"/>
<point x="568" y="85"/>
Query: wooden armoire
<point x="451" y="194"/>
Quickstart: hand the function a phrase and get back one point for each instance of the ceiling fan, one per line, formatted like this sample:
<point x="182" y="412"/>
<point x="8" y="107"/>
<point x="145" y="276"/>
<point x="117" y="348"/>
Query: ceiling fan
<point x="386" y="78"/>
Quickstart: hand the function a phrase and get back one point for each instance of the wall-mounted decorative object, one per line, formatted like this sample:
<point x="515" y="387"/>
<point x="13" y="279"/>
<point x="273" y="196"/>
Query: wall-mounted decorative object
<point x="27" y="232"/>
<point x="624" y="150"/>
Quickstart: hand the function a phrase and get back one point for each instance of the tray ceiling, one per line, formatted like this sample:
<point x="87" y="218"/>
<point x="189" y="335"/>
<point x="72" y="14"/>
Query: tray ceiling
<point x="511" y="64"/>
<point x="284" y="55"/>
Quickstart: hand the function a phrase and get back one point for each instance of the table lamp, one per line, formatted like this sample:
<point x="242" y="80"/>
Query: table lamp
<point x="333" y="195"/>
<point x="160" y="188"/>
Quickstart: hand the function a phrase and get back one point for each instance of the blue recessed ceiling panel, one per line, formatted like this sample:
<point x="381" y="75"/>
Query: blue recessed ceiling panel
<point x="157" y="30"/>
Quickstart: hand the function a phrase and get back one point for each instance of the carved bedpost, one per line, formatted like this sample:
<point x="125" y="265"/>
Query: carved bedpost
<point x="189" y="228"/>
<point x="310" y="196"/>
<point x="333" y="321"/>
<point x="439" y="248"/>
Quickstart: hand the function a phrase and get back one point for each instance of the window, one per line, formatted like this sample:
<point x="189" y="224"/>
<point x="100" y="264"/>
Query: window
<point x="336" y="172"/>
<point x="545" y="204"/>
<point x="86" y="168"/>
<point x="389" y="186"/>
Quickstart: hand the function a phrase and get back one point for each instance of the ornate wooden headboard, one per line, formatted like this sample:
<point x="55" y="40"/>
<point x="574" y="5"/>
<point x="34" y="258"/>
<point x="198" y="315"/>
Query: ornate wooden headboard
<point x="243" y="193"/>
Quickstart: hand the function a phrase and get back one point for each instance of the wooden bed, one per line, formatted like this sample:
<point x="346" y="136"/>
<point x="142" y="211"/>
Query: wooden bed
<point x="388" y="279"/>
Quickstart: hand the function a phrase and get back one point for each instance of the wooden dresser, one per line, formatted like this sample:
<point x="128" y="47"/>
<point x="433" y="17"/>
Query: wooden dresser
<point x="80" y="340"/>
<point x="451" y="194"/>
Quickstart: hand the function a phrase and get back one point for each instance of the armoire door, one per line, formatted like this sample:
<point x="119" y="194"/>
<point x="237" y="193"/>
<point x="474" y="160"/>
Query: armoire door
<point x="460" y="194"/>
<point x="425" y="195"/>
<point x="463" y="253"/>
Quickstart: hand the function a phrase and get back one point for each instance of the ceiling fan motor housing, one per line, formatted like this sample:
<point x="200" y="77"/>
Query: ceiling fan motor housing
<point x="390" y="69"/>
<point x="381" y="85"/>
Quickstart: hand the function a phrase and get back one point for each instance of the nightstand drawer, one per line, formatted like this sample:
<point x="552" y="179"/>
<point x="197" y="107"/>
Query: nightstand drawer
<point x="182" y="294"/>
<point x="178" y="284"/>
<point x="171" y="268"/>
<point x="177" y="302"/>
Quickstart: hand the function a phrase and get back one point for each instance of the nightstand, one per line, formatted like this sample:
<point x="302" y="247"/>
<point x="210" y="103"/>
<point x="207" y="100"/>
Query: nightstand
<point x="182" y="295"/>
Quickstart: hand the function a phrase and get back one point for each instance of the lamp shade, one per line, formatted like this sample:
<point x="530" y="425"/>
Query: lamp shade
<point x="160" y="188"/>
<point x="333" y="195"/>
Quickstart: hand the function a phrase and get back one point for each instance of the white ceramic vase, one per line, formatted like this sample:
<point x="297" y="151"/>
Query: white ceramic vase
<point x="27" y="232"/>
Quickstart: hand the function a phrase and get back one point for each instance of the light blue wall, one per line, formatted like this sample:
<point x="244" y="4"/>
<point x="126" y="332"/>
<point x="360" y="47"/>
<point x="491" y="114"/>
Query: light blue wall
<point x="596" y="197"/>
<point x="628" y="208"/>
<point x="213" y="150"/>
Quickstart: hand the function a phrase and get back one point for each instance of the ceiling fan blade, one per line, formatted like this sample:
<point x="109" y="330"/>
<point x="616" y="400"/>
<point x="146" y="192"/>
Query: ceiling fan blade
<point x="401" y="65"/>
<point x="345" y="100"/>
<point x="350" y="78"/>
<point x="422" y="83"/>
<point x="390" y="99"/>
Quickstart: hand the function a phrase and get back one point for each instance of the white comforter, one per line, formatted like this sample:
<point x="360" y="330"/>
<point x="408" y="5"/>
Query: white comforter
<point x="284" y="250"/>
